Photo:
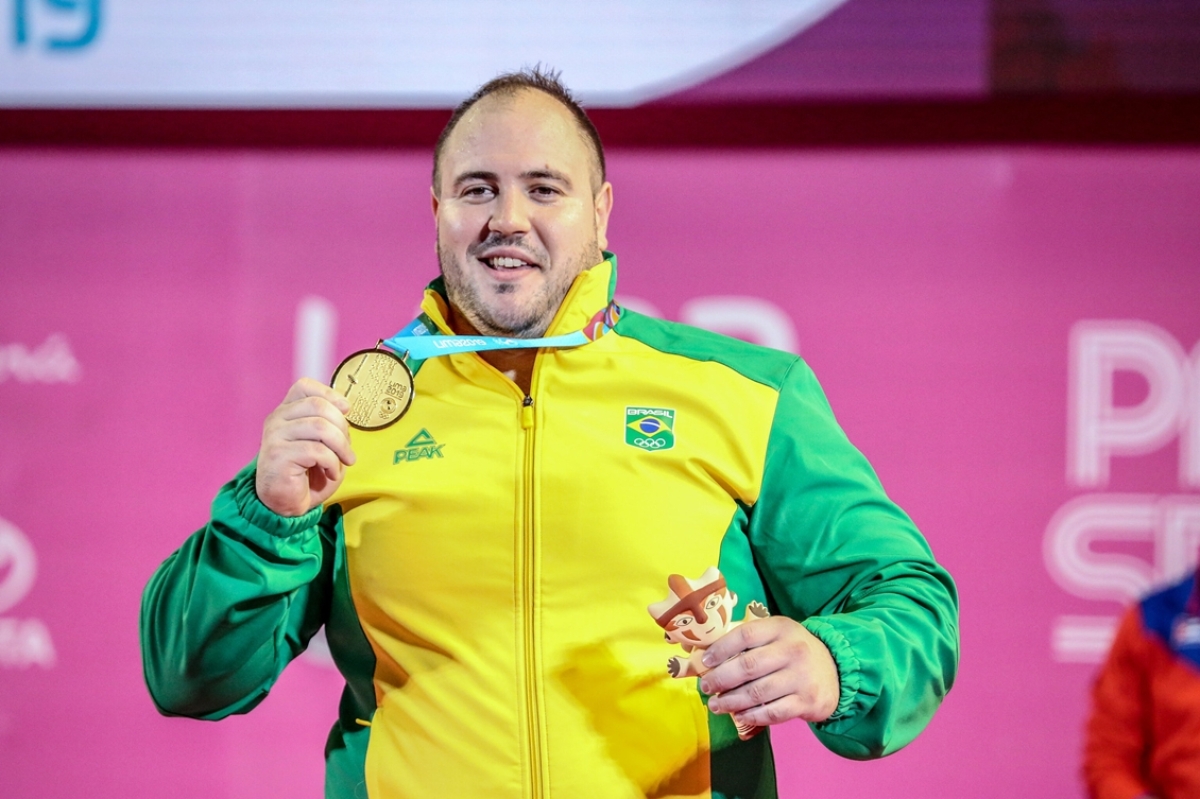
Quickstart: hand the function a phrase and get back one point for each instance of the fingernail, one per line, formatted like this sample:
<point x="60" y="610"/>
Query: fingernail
<point x="705" y="687"/>
<point x="708" y="659"/>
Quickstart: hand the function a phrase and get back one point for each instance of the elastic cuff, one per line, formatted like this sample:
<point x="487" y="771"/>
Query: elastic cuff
<point x="849" y="673"/>
<point x="251" y="508"/>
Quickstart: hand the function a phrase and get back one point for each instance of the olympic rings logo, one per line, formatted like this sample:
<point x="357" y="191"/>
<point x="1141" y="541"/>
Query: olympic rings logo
<point x="650" y="443"/>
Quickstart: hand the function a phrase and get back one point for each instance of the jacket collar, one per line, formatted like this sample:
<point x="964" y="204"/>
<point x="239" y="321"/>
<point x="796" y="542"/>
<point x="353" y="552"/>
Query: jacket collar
<point x="592" y="290"/>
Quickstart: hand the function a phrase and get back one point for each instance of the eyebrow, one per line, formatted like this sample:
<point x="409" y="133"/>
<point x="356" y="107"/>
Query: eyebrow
<point x="531" y="174"/>
<point x="546" y="174"/>
<point x="476" y="175"/>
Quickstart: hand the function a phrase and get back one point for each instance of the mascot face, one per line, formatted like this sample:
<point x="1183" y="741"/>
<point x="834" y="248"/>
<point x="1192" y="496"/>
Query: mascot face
<point x="699" y="629"/>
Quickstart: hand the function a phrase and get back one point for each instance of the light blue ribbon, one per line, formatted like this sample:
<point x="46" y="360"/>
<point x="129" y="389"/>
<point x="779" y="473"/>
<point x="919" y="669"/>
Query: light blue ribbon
<point x="416" y="342"/>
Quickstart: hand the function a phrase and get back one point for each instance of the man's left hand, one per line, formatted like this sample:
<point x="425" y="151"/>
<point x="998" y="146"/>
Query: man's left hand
<point x="767" y="671"/>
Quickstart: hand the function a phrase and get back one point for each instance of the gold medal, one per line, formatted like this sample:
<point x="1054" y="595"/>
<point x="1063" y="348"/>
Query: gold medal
<point x="379" y="386"/>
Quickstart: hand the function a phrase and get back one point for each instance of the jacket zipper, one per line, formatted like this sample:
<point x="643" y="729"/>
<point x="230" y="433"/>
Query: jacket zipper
<point x="529" y="588"/>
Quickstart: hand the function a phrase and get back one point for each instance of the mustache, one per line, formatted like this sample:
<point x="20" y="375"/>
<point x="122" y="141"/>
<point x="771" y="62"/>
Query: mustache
<point x="498" y="240"/>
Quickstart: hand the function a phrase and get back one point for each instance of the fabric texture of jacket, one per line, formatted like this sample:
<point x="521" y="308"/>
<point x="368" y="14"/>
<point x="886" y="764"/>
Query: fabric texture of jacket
<point x="483" y="573"/>
<point x="1143" y="735"/>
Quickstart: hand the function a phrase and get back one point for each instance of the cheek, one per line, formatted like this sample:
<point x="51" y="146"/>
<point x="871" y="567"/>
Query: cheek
<point x="456" y="226"/>
<point x="571" y="229"/>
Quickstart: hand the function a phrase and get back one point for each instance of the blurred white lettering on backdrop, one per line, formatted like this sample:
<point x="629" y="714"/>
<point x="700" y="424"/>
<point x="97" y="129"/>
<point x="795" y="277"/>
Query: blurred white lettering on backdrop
<point x="23" y="642"/>
<point x="1099" y="429"/>
<point x="26" y="642"/>
<point x="51" y="362"/>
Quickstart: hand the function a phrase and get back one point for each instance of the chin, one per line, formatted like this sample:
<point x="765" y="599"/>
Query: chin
<point x="518" y="324"/>
<point x="509" y="329"/>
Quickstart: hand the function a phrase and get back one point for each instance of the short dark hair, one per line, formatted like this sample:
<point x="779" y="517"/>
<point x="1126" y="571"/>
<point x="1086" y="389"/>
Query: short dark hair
<point x="509" y="83"/>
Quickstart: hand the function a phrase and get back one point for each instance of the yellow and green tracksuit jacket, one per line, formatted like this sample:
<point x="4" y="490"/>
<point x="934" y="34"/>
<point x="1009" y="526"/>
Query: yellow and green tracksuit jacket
<point x="483" y="573"/>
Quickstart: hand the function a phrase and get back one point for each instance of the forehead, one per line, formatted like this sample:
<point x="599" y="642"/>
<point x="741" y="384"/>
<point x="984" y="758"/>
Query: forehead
<point x="520" y="131"/>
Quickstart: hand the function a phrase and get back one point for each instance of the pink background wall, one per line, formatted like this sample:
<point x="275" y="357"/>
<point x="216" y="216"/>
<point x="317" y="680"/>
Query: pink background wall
<point x="934" y="293"/>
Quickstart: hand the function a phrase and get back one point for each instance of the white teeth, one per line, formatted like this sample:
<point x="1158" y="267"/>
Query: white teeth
<point x="507" y="263"/>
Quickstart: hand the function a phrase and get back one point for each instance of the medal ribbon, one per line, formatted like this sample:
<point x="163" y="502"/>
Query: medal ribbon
<point x="417" y="342"/>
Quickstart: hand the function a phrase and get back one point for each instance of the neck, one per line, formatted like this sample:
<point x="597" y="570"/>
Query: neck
<point x="516" y="365"/>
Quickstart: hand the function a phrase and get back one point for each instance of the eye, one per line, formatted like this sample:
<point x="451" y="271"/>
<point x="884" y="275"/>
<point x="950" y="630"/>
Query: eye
<point x="712" y="602"/>
<point x="543" y="191"/>
<point x="478" y="191"/>
<point x="683" y="621"/>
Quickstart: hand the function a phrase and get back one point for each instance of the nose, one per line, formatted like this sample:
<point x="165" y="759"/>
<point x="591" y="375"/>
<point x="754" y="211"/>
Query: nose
<point x="510" y="214"/>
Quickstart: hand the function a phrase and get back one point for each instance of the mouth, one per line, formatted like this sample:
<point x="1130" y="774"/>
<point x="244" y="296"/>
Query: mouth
<point x="504" y="263"/>
<point x="506" y="260"/>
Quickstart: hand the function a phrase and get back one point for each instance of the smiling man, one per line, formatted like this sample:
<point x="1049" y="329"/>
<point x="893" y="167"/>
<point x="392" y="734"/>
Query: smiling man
<point x="522" y="208"/>
<point x="522" y="205"/>
<point x="487" y="606"/>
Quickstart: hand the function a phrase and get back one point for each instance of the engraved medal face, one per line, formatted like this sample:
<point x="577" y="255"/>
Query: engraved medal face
<point x="378" y="384"/>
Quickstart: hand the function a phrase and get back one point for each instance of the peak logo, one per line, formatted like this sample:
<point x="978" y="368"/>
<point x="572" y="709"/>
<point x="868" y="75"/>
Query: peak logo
<point x="420" y="446"/>
<point x="23" y="642"/>
<point x="650" y="429"/>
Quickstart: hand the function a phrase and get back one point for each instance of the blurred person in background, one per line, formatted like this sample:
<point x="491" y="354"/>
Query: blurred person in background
<point x="1143" y="734"/>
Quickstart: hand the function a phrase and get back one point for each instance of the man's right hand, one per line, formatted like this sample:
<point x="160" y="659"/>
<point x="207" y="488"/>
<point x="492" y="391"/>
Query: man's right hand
<point x="305" y="449"/>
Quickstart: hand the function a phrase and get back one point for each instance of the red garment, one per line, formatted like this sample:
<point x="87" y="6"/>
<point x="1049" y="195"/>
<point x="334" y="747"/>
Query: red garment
<point x="1143" y="736"/>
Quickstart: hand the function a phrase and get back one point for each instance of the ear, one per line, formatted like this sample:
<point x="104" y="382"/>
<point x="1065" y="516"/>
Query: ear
<point x="603" y="208"/>
<point x="433" y="198"/>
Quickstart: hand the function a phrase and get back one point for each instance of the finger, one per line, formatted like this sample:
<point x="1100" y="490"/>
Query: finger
<point x="806" y="667"/>
<point x="748" y="665"/>
<point x="307" y="387"/>
<point x="751" y="634"/>
<point x="311" y="406"/>
<point x="783" y="709"/>
<point x="775" y="685"/>
<point x="305" y="418"/>
<point x="321" y="458"/>
<point x="293" y="459"/>
<point x="320" y="430"/>
<point x="327" y="472"/>
<point x="295" y="476"/>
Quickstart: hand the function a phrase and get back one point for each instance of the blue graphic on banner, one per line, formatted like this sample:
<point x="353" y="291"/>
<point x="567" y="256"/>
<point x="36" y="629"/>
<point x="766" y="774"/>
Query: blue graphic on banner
<point x="372" y="53"/>
<point x="55" y="24"/>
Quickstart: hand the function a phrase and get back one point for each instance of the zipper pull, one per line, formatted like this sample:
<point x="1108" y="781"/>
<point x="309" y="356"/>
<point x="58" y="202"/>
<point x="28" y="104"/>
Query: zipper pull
<point x="527" y="413"/>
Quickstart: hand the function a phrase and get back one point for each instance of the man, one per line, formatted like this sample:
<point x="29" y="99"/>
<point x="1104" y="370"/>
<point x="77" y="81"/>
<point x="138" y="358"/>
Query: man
<point x="487" y="605"/>
<point x="1143" y="735"/>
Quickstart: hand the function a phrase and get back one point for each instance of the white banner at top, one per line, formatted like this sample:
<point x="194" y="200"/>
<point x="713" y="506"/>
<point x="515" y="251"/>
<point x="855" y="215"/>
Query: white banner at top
<point x="372" y="53"/>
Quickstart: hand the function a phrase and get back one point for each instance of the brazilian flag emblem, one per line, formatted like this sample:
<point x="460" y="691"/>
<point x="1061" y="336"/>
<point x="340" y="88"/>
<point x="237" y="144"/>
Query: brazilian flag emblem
<point x="650" y="428"/>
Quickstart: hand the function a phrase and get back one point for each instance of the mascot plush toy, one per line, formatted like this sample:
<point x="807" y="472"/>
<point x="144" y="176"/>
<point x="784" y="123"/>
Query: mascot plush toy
<point x="694" y="615"/>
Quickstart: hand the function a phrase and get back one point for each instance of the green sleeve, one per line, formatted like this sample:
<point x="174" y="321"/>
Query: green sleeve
<point x="229" y="609"/>
<point x="836" y="553"/>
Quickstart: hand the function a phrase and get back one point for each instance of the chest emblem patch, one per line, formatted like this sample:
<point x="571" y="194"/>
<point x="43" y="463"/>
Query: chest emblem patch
<point x="650" y="428"/>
